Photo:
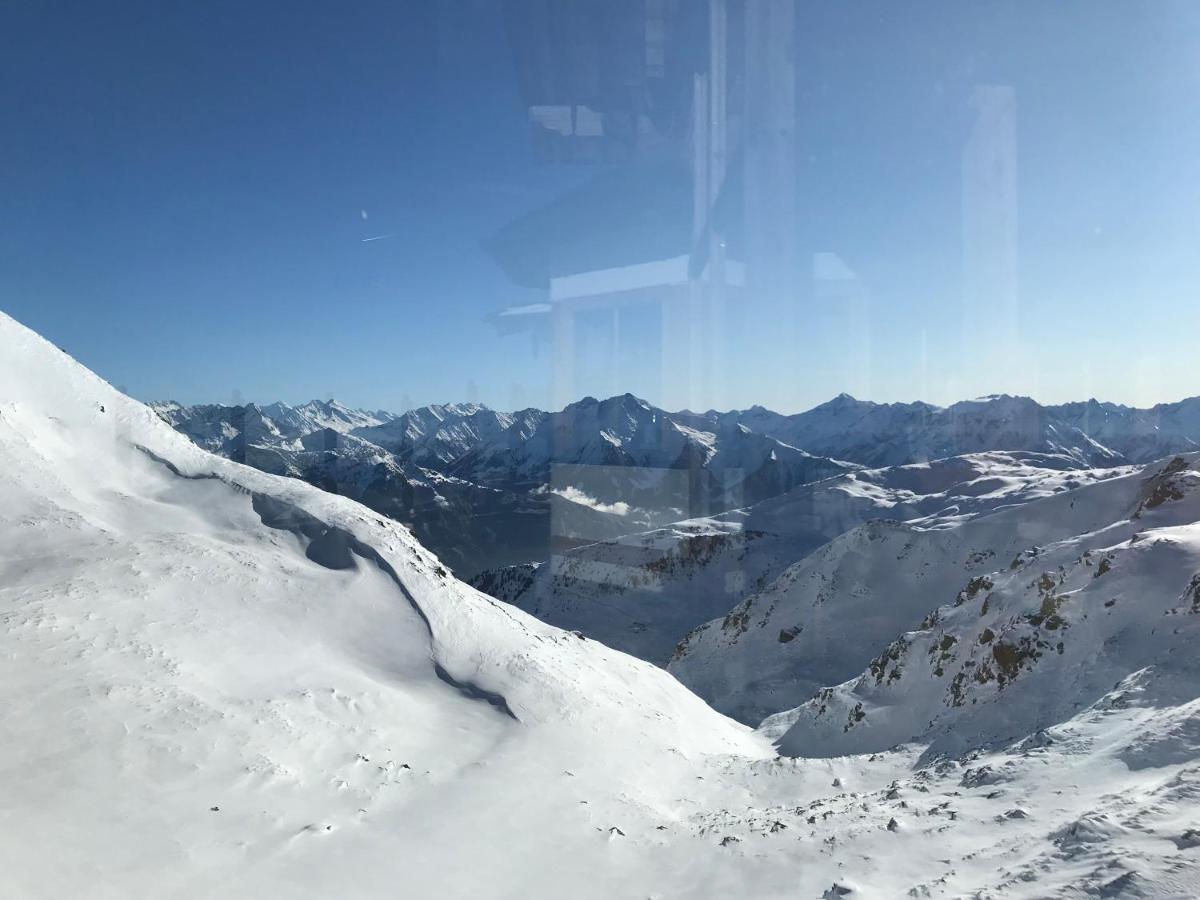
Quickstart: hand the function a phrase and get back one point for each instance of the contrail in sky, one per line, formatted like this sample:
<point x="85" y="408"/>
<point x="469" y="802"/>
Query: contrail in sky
<point x="378" y="237"/>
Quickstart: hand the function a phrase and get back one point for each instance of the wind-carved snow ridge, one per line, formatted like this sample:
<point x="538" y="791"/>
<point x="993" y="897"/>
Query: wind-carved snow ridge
<point x="335" y="548"/>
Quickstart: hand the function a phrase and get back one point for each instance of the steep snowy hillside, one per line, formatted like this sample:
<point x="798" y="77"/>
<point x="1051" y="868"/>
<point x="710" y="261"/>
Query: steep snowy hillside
<point x="827" y="616"/>
<point x="221" y="683"/>
<point x="1030" y="644"/>
<point x="643" y="593"/>
<point x="213" y="677"/>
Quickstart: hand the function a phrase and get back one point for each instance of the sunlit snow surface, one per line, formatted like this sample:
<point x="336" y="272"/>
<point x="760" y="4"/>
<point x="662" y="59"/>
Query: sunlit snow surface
<point x="643" y="593"/>
<point x="219" y="683"/>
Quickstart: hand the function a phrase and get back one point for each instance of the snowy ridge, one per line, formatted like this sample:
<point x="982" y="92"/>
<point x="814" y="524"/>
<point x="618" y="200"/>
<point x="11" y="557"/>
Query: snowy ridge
<point x="883" y="434"/>
<point x="83" y="403"/>
<point x="461" y="474"/>
<point x="828" y="615"/>
<point x="219" y="682"/>
<point x="643" y="593"/>
<point x="330" y="414"/>
<point x="735" y="465"/>
<point x="184" y="632"/>
<point x="442" y="433"/>
<point x="1025" y="646"/>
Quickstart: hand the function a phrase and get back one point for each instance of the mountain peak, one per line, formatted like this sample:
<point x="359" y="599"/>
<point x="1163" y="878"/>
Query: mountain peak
<point x="627" y="399"/>
<point x="999" y="403"/>
<point x="617" y="401"/>
<point x="329" y="405"/>
<point x="841" y="401"/>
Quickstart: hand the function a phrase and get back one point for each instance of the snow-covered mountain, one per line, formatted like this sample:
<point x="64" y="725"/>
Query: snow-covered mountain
<point x="643" y="593"/>
<point x="485" y="489"/>
<point x="881" y="434"/>
<point x="229" y="429"/>
<point x="825" y="618"/>
<point x="220" y="682"/>
<point x="217" y="680"/>
<point x="462" y="474"/>
<point x="885" y="434"/>
<point x="619" y="450"/>
<point x="439" y="435"/>
<point x="1027" y="646"/>
<point x="1140" y="435"/>
<point x="317" y="414"/>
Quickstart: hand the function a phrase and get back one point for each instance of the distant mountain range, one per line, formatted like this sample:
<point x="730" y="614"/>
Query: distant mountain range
<point x="822" y="620"/>
<point x="483" y="488"/>
<point x="486" y="489"/>
<point x="659" y="585"/>
<point x="889" y="434"/>
<point x="978" y="672"/>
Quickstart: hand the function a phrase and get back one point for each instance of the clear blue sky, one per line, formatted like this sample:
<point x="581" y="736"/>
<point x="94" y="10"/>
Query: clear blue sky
<point x="185" y="190"/>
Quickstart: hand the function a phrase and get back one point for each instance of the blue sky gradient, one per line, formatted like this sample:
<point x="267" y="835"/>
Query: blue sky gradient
<point x="188" y="190"/>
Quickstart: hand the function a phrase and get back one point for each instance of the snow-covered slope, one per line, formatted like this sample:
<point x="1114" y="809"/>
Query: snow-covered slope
<point x="221" y="683"/>
<point x="643" y="593"/>
<point x="1030" y="644"/>
<point x="217" y="681"/>
<point x="827" y="616"/>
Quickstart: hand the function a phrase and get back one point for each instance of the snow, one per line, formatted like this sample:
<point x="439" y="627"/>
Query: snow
<point x="461" y="474"/>
<point x="220" y="682"/>
<point x="1080" y="615"/>
<point x="643" y="593"/>
<point x="847" y="600"/>
<point x="184" y="633"/>
<point x="884" y="434"/>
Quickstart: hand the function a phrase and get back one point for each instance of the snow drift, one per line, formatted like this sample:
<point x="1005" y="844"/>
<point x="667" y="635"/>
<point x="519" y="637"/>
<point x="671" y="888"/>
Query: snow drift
<point x="219" y="679"/>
